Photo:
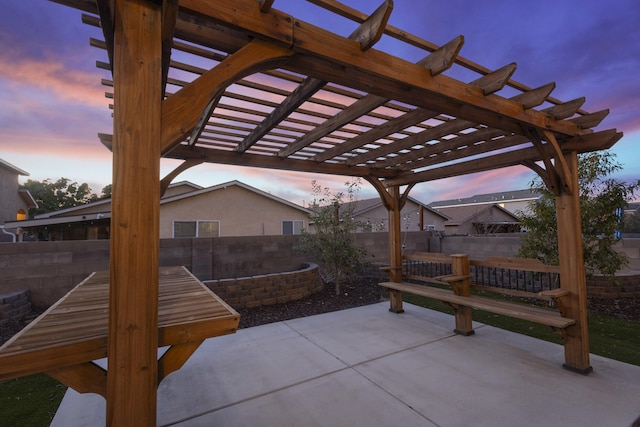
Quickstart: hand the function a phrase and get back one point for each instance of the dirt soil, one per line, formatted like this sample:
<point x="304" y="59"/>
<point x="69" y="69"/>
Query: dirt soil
<point x="353" y="294"/>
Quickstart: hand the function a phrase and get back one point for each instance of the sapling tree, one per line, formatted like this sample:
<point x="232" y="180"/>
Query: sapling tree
<point x="602" y="200"/>
<point x="329" y="240"/>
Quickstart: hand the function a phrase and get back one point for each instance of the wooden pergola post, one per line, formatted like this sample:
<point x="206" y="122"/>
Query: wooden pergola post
<point x="395" y="247"/>
<point x="133" y="300"/>
<point x="572" y="270"/>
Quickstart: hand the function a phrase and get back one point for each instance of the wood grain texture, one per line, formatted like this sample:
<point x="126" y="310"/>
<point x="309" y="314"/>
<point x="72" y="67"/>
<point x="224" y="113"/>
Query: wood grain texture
<point x="74" y="330"/>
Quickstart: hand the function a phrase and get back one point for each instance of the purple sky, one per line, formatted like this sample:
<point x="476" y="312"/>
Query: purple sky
<point x="52" y="104"/>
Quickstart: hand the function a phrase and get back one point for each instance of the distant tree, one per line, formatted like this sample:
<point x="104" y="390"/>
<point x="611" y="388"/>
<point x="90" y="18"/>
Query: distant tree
<point x="330" y="241"/>
<point x="601" y="200"/>
<point x="61" y="194"/>
<point x="106" y="192"/>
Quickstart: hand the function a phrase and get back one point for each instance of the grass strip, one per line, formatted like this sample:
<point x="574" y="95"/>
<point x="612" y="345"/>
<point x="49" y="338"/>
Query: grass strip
<point x="609" y="337"/>
<point x="30" y="401"/>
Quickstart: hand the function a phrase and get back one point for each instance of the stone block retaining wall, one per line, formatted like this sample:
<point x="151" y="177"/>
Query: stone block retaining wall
<point x="15" y="306"/>
<point x="267" y="289"/>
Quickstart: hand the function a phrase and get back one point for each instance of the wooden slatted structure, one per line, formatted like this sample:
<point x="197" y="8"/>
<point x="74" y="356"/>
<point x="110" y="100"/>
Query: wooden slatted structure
<point x="240" y="82"/>
<point x="66" y="339"/>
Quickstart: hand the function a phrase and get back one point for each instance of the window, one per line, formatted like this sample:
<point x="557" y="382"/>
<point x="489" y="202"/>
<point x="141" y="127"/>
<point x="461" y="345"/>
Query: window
<point x="292" y="227"/>
<point x="196" y="228"/>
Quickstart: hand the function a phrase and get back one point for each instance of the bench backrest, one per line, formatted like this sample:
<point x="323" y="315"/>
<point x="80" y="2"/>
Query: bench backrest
<point x="513" y="276"/>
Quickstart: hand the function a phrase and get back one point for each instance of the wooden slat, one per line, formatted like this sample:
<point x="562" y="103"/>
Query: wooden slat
<point x="529" y="264"/>
<point x="177" y="118"/>
<point x="74" y="330"/>
<point x="567" y="109"/>
<point x="496" y="80"/>
<point x="519" y="311"/>
<point x="370" y="31"/>
<point x="443" y="58"/>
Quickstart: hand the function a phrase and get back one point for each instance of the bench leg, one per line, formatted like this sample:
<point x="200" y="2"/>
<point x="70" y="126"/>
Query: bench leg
<point x="395" y="300"/>
<point x="464" y="320"/>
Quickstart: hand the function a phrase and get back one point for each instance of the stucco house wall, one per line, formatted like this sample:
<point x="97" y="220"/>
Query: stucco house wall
<point x="240" y="211"/>
<point x="14" y="202"/>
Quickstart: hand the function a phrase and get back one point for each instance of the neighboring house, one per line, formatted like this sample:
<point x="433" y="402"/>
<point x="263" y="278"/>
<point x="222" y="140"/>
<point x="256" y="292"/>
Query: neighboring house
<point x="479" y="219"/>
<point x="15" y="202"/>
<point x="230" y="209"/>
<point x="632" y="209"/>
<point x="186" y="210"/>
<point x="415" y="216"/>
<point x="514" y="201"/>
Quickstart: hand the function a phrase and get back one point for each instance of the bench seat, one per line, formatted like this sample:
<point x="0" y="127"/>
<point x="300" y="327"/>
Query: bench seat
<point x="516" y="310"/>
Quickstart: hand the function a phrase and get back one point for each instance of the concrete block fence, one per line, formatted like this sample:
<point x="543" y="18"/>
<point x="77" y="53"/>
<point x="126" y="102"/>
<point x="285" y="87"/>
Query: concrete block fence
<point x="48" y="270"/>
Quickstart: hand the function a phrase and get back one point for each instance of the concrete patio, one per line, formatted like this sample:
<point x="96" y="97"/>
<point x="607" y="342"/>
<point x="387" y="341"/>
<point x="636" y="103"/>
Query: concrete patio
<point x="369" y="367"/>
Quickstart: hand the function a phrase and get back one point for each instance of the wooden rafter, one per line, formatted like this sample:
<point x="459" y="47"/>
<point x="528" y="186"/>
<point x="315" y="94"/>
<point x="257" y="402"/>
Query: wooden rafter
<point x="437" y="62"/>
<point x="265" y="5"/>
<point x="398" y="129"/>
<point x="367" y="34"/>
<point x="169" y="16"/>
<point x="358" y="134"/>
<point x="200" y="93"/>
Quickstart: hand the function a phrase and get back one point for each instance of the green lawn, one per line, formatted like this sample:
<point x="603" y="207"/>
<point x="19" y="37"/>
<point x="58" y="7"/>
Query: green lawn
<point x="30" y="401"/>
<point x="610" y="337"/>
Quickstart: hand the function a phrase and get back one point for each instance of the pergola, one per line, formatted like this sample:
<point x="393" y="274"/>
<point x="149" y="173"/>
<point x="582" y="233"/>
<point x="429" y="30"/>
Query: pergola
<point x="239" y="82"/>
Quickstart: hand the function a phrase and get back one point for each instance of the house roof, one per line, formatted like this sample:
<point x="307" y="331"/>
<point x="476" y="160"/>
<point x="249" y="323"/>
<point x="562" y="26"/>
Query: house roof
<point x="231" y="184"/>
<point x="6" y="165"/>
<point x="71" y="214"/>
<point x="72" y="210"/>
<point x="294" y="96"/>
<point x="632" y="207"/>
<point x="40" y="222"/>
<point x="361" y="207"/>
<point x="27" y="198"/>
<point x="462" y="214"/>
<point x="483" y="199"/>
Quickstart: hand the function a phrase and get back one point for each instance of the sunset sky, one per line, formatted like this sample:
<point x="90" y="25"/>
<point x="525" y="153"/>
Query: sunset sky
<point x="52" y="105"/>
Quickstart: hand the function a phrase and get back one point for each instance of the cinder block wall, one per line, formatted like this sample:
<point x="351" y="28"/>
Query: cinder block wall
<point x="481" y="247"/>
<point x="50" y="269"/>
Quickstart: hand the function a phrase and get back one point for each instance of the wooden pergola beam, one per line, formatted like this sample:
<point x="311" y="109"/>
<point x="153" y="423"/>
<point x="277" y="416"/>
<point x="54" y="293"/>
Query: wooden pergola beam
<point x="273" y="162"/>
<point x="324" y="54"/>
<point x="589" y="142"/>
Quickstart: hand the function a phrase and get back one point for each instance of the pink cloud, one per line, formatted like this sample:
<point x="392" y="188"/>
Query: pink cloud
<point x="52" y="77"/>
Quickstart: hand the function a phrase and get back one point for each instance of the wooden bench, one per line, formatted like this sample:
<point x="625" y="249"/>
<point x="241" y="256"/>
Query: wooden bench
<point x="65" y="340"/>
<point x="455" y="272"/>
